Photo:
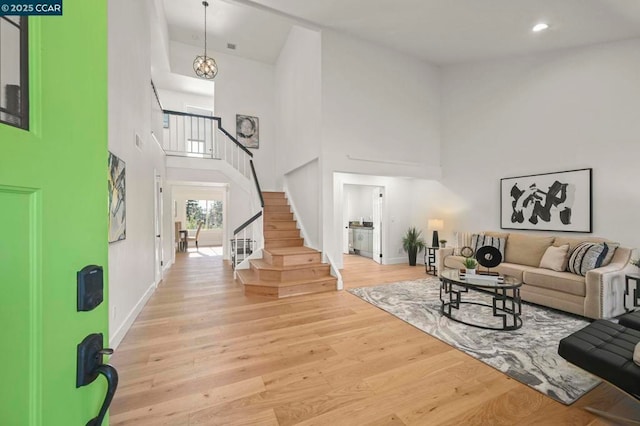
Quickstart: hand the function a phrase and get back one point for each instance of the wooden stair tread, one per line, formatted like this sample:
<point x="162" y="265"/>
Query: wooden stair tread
<point x="283" y="251"/>
<point x="291" y="239"/>
<point x="254" y="281"/>
<point x="261" y="264"/>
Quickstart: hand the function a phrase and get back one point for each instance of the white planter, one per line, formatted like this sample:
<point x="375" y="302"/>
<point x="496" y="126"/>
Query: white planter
<point x="471" y="271"/>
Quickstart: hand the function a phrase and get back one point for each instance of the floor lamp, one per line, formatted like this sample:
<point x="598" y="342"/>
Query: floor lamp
<point x="435" y="225"/>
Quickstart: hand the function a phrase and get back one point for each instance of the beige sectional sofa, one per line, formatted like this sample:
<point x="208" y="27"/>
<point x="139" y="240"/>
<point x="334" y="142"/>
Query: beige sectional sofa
<point x="599" y="294"/>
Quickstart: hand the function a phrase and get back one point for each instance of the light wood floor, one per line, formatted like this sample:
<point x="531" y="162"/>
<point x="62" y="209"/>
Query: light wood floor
<point x="201" y="353"/>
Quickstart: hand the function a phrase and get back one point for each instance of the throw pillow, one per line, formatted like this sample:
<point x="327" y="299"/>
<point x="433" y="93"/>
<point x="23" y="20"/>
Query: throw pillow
<point x="463" y="239"/>
<point x="478" y="241"/>
<point x="555" y="258"/>
<point x="636" y="354"/>
<point x="588" y="256"/>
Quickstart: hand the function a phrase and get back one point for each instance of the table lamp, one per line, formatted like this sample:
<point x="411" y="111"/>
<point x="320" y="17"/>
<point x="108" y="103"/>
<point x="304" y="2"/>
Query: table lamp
<point x="435" y="225"/>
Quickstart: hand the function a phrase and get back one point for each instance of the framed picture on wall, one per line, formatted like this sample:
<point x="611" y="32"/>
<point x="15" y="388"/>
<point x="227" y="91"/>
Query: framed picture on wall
<point x="559" y="201"/>
<point x="117" y="199"/>
<point x="248" y="131"/>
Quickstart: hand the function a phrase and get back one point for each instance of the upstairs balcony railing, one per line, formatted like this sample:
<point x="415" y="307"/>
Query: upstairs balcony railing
<point x="201" y="136"/>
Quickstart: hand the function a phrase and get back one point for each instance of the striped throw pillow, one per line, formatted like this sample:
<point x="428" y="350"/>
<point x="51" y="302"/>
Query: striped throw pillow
<point x="479" y="240"/>
<point x="588" y="256"/>
<point x="463" y="239"/>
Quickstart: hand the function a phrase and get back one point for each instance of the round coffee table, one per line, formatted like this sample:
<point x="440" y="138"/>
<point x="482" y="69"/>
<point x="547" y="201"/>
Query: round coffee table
<point x="505" y="296"/>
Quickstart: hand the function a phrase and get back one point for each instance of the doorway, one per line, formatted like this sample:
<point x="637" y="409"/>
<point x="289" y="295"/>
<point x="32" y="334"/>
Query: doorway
<point x="363" y="212"/>
<point x="158" y="221"/>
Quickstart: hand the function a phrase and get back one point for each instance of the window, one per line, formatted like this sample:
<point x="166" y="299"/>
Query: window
<point x="207" y="211"/>
<point x="14" y="72"/>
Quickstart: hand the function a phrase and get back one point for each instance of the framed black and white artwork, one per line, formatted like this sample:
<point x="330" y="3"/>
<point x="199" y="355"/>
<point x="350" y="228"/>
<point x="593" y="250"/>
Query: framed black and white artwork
<point x="559" y="201"/>
<point x="247" y="131"/>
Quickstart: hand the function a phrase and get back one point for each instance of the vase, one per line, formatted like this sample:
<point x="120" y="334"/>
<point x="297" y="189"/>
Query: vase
<point x="413" y="254"/>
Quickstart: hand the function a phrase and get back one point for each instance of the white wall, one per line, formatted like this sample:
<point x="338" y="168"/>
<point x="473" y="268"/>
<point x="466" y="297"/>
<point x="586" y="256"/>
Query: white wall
<point x="380" y="117"/>
<point x="131" y="262"/>
<point x="550" y="112"/>
<point x="302" y="186"/>
<point x="174" y="100"/>
<point x="359" y="202"/>
<point x="242" y="86"/>
<point x="298" y="100"/>
<point x="380" y="105"/>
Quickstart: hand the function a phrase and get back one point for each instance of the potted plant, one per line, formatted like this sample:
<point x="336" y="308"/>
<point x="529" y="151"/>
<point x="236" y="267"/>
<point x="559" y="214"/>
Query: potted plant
<point x="443" y="243"/>
<point x="470" y="265"/>
<point x="412" y="242"/>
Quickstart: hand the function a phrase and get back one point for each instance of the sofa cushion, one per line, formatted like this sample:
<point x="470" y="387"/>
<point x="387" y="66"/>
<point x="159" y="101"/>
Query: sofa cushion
<point x="588" y="256"/>
<point x="479" y="240"/>
<point x="526" y="249"/>
<point x="504" y="235"/>
<point x="564" y="282"/>
<point x="463" y="239"/>
<point x="512" y="269"/>
<point x="454" y="262"/>
<point x="555" y="258"/>
<point x="573" y="242"/>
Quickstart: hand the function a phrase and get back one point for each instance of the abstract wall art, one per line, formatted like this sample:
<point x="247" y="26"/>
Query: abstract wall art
<point x="117" y="199"/>
<point x="559" y="201"/>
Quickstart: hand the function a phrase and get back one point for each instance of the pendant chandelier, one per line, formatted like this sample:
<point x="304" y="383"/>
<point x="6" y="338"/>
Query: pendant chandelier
<point x="205" y="66"/>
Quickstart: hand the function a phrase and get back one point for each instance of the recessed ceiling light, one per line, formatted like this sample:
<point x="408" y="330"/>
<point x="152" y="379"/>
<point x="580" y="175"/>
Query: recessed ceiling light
<point x="539" y="27"/>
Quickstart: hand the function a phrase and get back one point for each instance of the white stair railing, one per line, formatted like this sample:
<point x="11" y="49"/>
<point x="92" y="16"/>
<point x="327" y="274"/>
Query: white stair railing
<point x="201" y="136"/>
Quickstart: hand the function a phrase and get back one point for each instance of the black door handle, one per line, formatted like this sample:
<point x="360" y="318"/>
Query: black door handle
<point x="90" y="366"/>
<point x="111" y="375"/>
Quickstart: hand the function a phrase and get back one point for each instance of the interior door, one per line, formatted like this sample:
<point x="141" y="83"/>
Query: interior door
<point x="378" y="202"/>
<point x="158" y="220"/>
<point x="53" y="220"/>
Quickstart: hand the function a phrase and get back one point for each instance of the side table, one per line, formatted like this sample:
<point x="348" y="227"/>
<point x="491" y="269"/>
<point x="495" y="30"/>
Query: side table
<point x="636" y="291"/>
<point x="430" y="260"/>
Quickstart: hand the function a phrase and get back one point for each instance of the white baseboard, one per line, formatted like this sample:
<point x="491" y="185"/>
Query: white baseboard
<point x="117" y="337"/>
<point x="396" y="260"/>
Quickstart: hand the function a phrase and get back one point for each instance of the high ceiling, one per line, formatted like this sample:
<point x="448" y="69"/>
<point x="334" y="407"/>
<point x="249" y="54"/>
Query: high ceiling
<point x="439" y="31"/>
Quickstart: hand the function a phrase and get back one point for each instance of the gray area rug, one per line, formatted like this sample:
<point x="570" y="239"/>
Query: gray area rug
<point x="529" y="354"/>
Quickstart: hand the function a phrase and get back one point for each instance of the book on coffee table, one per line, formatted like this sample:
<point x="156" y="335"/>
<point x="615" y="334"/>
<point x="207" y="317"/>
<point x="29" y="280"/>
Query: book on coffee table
<point x="494" y="278"/>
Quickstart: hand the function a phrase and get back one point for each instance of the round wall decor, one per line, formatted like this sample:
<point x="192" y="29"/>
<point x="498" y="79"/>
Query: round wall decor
<point x="466" y="251"/>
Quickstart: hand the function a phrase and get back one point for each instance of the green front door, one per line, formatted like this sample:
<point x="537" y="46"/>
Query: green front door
<point x="53" y="220"/>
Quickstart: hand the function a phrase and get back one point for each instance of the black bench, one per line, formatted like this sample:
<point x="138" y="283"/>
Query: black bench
<point x="605" y="349"/>
<point x="631" y="320"/>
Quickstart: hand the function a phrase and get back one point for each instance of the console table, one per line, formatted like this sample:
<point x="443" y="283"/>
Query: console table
<point x="636" y="291"/>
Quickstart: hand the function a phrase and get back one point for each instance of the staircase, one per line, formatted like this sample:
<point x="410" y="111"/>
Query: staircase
<point x="287" y="267"/>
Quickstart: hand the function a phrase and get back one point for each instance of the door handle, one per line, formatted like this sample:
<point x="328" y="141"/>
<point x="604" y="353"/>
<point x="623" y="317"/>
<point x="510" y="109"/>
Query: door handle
<point x="158" y="236"/>
<point x="90" y="366"/>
